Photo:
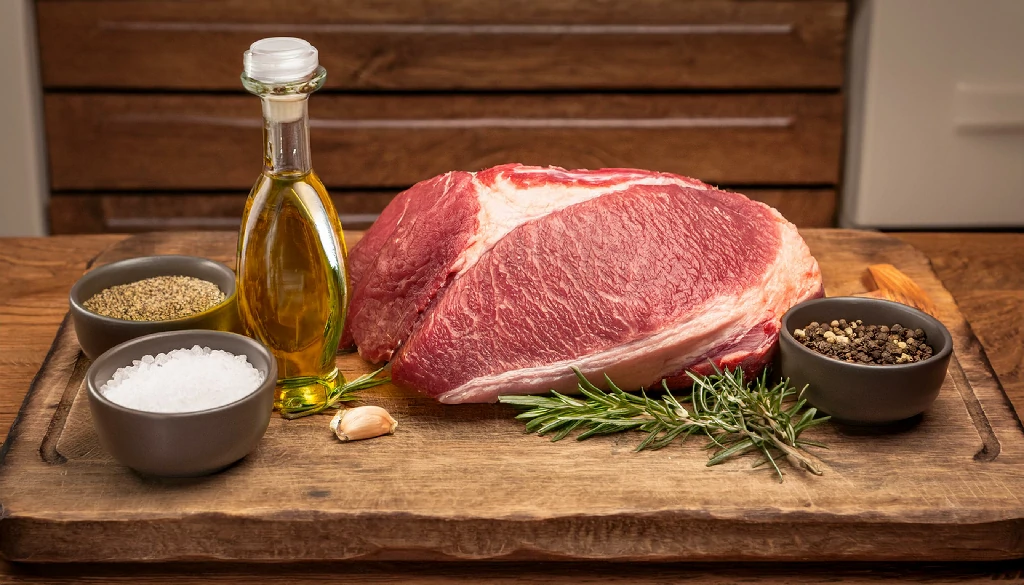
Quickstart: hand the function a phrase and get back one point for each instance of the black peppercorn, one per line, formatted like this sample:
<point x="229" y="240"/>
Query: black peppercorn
<point x="854" y="342"/>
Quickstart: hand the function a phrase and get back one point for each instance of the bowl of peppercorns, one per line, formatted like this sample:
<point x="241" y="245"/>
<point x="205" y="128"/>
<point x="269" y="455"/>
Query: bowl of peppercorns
<point x="864" y="360"/>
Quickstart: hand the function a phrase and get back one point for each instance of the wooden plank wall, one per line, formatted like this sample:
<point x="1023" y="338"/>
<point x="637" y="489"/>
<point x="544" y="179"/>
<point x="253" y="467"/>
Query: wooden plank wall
<point x="148" y="127"/>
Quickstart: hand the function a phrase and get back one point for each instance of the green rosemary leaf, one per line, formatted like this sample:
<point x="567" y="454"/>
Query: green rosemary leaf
<point x="598" y="396"/>
<point x="652" y="435"/>
<point x="572" y="426"/>
<point x="739" y="447"/>
<point x="536" y="424"/>
<point x="666" y="439"/>
<point x="611" y="422"/>
<point x="552" y="425"/>
<point x="606" y="429"/>
<point x="726" y="440"/>
<point x="567" y="400"/>
<point x="735" y="415"/>
<point x="768" y="454"/>
<point x="803" y="442"/>
<point x="538" y="401"/>
<point x="534" y="413"/>
<point x="365" y="381"/>
<point x="814" y="421"/>
<point x="790" y="433"/>
<point x="584" y="382"/>
<point x="796" y="407"/>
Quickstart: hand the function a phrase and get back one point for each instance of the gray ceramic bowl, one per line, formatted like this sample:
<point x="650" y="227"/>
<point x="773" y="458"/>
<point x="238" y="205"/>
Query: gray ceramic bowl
<point x="96" y="333"/>
<point x="181" y="444"/>
<point x="860" y="393"/>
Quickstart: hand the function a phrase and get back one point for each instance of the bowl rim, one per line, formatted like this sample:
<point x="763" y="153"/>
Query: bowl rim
<point x="94" y="391"/>
<point x="114" y="266"/>
<point x="923" y="364"/>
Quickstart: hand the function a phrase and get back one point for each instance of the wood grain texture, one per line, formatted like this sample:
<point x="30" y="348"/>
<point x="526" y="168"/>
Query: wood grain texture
<point x="957" y="495"/>
<point x="985" y="272"/>
<point x="127" y="213"/>
<point x="452" y="44"/>
<point x="214" y="142"/>
<point x="589" y="573"/>
<point x="35" y="277"/>
<point x="988" y="263"/>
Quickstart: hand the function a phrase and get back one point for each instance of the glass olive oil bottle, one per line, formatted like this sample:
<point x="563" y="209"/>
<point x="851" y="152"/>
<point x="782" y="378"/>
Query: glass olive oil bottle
<point x="291" y="265"/>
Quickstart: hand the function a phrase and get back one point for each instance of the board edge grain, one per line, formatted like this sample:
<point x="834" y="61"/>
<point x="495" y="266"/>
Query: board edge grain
<point x="976" y="349"/>
<point x="48" y="447"/>
<point x="15" y="430"/>
<point x="625" y="537"/>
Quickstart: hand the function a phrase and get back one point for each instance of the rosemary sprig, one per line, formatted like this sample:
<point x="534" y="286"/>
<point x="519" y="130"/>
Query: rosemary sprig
<point x="344" y="393"/>
<point x="737" y="416"/>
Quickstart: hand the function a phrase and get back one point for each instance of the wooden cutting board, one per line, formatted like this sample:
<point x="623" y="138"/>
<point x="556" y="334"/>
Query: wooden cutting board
<point x="465" y="482"/>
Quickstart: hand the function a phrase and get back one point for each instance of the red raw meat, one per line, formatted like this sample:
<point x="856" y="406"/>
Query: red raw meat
<point x="497" y="282"/>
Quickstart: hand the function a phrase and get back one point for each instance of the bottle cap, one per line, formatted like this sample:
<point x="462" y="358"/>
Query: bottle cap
<point x="280" y="60"/>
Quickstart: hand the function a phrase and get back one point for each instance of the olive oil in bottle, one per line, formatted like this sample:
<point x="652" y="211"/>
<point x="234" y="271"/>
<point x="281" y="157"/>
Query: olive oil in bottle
<point x="291" y="265"/>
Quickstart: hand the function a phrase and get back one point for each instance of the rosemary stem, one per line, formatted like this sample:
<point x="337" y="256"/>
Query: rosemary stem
<point x="736" y="415"/>
<point x="796" y="457"/>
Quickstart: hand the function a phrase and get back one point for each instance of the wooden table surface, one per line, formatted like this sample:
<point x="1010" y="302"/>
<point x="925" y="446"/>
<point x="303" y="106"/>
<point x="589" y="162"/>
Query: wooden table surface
<point x="984" y="271"/>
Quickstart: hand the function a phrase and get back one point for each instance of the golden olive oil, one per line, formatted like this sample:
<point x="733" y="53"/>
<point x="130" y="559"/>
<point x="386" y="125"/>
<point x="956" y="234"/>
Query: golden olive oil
<point x="292" y="282"/>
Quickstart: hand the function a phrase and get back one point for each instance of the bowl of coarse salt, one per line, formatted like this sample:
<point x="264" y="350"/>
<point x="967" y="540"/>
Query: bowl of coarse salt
<point x="182" y="403"/>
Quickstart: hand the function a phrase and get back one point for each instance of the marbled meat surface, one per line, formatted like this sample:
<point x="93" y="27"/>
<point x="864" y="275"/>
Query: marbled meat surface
<point x="476" y="285"/>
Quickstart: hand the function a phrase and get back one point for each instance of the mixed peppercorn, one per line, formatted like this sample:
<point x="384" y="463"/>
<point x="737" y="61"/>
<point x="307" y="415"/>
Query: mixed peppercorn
<point x="855" y="342"/>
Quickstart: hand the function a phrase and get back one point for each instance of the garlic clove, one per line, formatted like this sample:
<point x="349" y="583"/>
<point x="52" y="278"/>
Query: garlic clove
<point x="363" y="422"/>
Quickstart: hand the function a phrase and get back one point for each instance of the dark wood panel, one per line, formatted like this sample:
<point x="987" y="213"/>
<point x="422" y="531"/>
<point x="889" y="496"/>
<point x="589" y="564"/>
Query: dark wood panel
<point x="127" y="213"/>
<point x="452" y="44"/>
<point x="196" y="142"/>
<point x="805" y="208"/>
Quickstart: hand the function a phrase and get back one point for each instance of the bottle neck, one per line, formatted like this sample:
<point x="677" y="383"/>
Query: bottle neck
<point x="286" y="135"/>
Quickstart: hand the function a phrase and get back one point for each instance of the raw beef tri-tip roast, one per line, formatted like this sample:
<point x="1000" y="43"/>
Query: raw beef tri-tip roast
<point x="480" y="284"/>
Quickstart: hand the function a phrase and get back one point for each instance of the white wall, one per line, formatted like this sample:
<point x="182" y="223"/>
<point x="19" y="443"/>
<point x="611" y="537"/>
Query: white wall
<point x="936" y="115"/>
<point x="23" y="189"/>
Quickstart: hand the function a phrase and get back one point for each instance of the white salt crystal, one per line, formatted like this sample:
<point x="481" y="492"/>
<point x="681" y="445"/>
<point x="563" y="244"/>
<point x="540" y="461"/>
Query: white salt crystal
<point x="183" y="380"/>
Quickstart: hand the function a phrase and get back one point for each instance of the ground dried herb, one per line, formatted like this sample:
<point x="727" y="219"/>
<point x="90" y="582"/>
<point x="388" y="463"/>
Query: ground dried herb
<point x="160" y="298"/>
<point x="855" y="342"/>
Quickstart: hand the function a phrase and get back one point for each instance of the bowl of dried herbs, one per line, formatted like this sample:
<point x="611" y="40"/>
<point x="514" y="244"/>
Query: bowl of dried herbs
<point x="135" y="297"/>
